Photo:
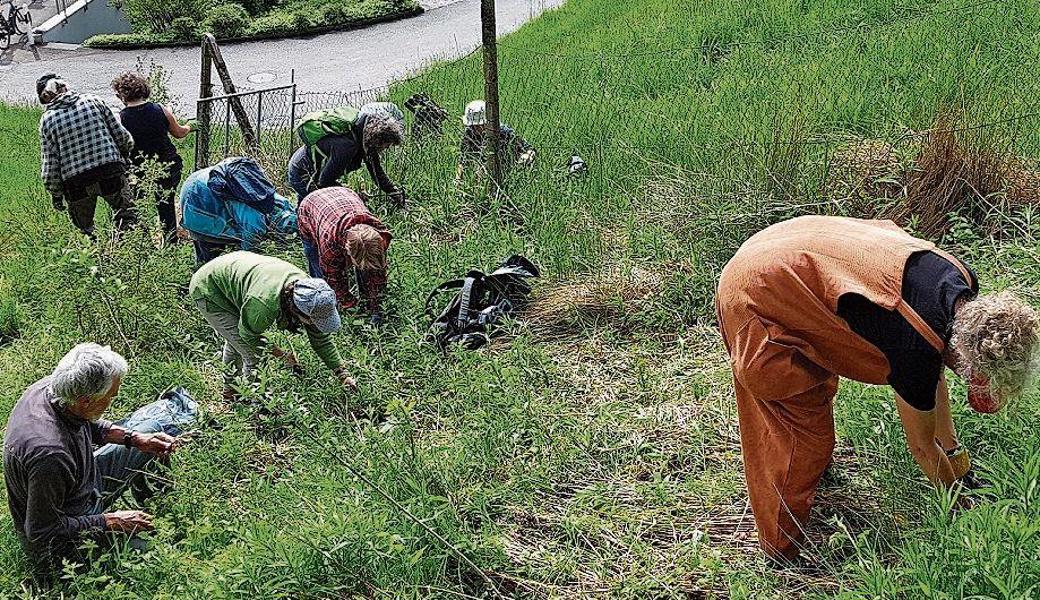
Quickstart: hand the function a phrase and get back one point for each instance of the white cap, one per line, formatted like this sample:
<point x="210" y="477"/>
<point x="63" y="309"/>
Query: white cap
<point x="476" y="113"/>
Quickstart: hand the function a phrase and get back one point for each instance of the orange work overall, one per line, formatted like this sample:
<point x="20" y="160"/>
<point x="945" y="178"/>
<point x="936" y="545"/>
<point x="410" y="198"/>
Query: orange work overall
<point x="777" y="306"/>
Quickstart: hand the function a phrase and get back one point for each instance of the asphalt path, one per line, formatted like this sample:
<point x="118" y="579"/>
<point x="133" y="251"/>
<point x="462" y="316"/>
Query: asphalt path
<point x="334" y="62"/>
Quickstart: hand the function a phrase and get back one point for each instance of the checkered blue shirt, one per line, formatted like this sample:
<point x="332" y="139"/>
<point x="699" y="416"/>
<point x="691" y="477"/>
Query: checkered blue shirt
<point x="79" y="132"/>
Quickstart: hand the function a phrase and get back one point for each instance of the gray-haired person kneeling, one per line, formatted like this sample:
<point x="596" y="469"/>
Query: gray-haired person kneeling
<point x="59" y="487"/>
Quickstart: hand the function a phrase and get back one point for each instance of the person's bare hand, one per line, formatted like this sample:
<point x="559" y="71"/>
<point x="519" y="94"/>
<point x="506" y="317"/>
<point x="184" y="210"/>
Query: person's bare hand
<point x="526" y="159"/>
<point x="160" y="444"/>
<point x="288" y="359"/>
<point x="128" y="521"/>
<point x="348" y="382"/>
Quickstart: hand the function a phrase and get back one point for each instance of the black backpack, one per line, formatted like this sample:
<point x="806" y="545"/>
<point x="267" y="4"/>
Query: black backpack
<point x="480" y="303"/>
<point x="429" y="116"/>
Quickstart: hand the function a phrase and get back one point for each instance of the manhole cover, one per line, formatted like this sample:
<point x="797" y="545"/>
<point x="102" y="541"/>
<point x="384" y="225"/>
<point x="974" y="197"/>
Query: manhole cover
<point x="261" y="77"/>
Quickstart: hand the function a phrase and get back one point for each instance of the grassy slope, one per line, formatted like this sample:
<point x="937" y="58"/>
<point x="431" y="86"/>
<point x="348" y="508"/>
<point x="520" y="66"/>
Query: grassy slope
<point x="604" y="462"/>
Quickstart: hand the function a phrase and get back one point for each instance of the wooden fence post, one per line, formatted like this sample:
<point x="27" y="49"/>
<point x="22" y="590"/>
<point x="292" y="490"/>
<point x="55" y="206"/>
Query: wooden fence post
<point x="204" y="108"/>
<point x="241" y="116"/>
<point x="489" y="34"/>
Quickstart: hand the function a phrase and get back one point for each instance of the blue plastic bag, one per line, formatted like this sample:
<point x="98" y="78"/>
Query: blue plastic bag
<point x="170" y="413"/>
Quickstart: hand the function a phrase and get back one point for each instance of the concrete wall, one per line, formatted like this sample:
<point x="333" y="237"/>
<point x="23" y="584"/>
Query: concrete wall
<point x="83" y="19"/>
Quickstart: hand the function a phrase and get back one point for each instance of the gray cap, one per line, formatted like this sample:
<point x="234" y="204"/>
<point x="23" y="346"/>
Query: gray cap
<point x="314" y="298"/>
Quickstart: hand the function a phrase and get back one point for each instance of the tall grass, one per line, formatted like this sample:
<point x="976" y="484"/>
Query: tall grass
<point x="601" y="460"/>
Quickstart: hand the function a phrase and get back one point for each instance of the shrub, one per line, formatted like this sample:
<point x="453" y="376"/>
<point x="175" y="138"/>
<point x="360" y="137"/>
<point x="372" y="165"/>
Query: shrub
<point x="157" y="16"/>
<point x="277" y="23"/>
<point x="159" y="81"/>
<point x="259" y="7"/>
<point x="227" y="20"/>
<point x="335" y="14"/>
<point x="302" y="21"/>
<point x="184" y="28"/>
<point x="128" y="40"/>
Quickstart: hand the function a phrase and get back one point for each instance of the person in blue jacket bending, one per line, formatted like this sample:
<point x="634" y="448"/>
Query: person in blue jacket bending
<point x="233" y="205"/>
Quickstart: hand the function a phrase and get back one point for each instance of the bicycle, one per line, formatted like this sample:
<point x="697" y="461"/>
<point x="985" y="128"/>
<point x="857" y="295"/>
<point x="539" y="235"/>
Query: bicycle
<point x="14" y="21"/>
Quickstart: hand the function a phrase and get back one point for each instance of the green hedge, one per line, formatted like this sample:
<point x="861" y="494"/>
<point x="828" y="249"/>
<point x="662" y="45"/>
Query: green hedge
<point x="303" y="18"/>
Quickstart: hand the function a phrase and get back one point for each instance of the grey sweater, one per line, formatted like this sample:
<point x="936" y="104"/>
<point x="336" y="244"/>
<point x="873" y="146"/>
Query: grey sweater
<point x="52" y="485"/>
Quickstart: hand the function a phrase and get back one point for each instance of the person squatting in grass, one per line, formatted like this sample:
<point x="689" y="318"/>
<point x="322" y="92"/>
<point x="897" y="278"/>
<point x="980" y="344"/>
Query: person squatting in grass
<point x="343" y="241"/>
<point x="242" y="294"/>
<point x="514" y="149"/>
<point x="151" y="126"/>
<point x="235" y="218"/>
<point x="59" y="488"/>
<point x="83" y="154"/>
<point x="809" y="300"/>
<point x="372" y="133"/>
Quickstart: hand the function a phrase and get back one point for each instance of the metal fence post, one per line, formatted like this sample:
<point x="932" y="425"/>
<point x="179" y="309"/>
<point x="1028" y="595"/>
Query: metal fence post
<point x="292" y="115"/>
<point x="227" y="126"/>
<point x="259" y="116"/>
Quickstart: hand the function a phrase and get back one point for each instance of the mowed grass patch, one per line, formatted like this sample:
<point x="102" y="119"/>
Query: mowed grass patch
<point x="597" y="454"/>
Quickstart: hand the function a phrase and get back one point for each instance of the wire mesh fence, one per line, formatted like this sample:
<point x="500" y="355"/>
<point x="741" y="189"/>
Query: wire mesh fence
<point x="260" y="123"/>
<point x="770" y="117"/>
<point x="255" y="123"/>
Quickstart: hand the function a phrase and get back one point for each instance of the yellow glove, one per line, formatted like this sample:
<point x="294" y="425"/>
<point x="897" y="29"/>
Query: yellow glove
<point x="959" y="460"/>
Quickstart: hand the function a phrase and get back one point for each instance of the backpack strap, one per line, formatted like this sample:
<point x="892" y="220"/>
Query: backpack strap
<point x="454" y="284"/>
<point x="315" y="153"/>
<point x="466" y="298"/>
<point x="918" y="322"/>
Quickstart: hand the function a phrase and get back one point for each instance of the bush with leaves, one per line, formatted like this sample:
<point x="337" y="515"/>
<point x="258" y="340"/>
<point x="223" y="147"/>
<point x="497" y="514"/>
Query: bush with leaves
<point x="185" y="27"/>
<point x="259" y="7"/>
<point x="155" y="24"/>
<point x="230" y="20"/>
<point x="302" y="20"/>
<point x="158" y="16"/>
<point x="334" y="14"/>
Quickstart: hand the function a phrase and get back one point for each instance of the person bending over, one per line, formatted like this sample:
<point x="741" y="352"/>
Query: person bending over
<point x="343" y="241"/>
<point x="242" y="295"/>
<point x="335" y="155"/>
<point x="220" y="215"/>
<point x="514" y="149"/>
<point x="809" y="300"/>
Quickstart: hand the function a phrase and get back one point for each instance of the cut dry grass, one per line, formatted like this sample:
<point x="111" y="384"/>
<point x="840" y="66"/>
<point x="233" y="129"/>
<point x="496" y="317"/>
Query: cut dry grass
<point x="955" y="172"/>
<point x="953" y="168"/>
<point x="863" y="171"/>
<point x="607" y="298"/>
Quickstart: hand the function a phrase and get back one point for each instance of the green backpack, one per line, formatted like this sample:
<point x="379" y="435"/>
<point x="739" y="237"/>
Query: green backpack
<point x="320" y="123"/>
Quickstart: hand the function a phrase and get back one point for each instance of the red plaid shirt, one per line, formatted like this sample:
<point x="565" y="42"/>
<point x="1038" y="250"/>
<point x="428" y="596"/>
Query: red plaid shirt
<point x="324" y="218"/>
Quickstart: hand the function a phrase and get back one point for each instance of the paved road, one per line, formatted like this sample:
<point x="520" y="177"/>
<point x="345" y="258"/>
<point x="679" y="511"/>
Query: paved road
<point x="340" y="61"/>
